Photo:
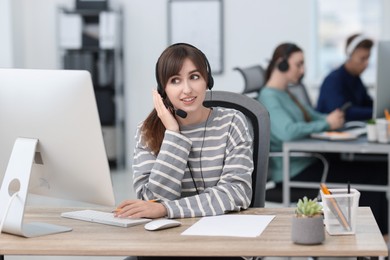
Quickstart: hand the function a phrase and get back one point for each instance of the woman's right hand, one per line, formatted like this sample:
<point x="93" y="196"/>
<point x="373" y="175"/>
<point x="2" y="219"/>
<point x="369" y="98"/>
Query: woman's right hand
<point x="140" y="209"/>
<point x="335" y="119"/>
<point x="164" y="113"/>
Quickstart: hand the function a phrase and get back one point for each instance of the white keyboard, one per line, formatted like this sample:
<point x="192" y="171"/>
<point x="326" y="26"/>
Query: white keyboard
<point x="104" y="218"/>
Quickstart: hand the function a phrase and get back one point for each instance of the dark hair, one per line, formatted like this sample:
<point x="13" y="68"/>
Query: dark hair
<point x="283" y="51"/>
<point x="365" y="43"/>
<point x="169" y="64"/>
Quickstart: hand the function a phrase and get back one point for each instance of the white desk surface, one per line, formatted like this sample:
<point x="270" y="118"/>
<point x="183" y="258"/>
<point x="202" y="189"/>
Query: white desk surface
<point x="359" y="145"/>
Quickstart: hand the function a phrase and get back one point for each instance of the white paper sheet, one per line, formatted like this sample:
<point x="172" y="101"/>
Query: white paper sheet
<point x="230" y="225"/>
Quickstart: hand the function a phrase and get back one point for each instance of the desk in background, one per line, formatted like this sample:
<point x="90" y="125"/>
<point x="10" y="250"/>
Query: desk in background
<point x="92" y="239"/>
<point x="359" y="145"/>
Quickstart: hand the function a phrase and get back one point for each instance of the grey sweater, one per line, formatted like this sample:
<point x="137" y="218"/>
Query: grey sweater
<point x="218" y="156"/>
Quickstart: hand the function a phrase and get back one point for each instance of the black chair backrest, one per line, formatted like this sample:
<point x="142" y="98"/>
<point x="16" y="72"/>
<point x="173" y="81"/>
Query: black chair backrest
<point x="258" y="119"/>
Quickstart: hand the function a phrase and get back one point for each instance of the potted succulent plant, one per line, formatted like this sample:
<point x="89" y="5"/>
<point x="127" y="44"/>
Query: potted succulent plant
<point x="308" y="223"/>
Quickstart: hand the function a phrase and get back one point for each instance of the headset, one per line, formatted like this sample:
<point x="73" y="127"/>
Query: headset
<point x="183" y="114"/>
<point x="283" y="65"/>
<point x="210" y="79"/>
<point x="354" y="43"/>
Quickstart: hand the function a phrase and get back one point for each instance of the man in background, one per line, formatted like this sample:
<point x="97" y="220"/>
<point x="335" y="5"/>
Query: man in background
<point x="344" y="84"/>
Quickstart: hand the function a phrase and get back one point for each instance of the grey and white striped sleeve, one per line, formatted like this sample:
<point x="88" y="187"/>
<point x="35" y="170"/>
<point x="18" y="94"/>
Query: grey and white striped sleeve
<point x="160" y="176"/>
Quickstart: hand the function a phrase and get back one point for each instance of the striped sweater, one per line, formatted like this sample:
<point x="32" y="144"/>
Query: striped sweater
<point x="218" y="156"/>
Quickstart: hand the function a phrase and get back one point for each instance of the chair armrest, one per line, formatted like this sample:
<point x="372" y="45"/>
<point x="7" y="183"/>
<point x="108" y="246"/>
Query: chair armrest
<point x="307" y="154"/>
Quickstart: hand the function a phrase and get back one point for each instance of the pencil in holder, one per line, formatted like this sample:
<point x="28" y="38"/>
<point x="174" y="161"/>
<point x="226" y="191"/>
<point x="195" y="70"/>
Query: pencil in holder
<point x="340" y="211"/>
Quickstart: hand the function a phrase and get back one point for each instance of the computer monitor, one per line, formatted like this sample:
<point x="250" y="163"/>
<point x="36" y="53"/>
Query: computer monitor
<point x="51" y="143"/>
<point x="382" y="91"/>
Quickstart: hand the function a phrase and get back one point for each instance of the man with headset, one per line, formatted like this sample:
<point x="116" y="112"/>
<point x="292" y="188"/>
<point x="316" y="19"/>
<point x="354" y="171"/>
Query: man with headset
<point x="344" y="84"/>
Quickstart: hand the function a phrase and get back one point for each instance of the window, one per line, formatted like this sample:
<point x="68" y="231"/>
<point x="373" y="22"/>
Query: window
<point x="337" y="20"/>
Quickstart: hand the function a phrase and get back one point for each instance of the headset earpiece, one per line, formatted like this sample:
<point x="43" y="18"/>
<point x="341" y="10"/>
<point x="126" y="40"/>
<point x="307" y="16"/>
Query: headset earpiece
<point x="283" y="65"/>
<point x="210" y="79"/>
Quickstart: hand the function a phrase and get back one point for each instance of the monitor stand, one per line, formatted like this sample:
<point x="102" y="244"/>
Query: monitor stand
<point x="13" y="202"/>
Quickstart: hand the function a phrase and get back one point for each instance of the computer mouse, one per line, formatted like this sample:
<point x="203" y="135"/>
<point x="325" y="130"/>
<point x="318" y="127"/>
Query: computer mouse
<point x="159" y="224"/>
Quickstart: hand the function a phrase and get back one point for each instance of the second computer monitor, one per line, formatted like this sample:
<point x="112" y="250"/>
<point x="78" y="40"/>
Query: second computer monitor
<point x="382" y="90"/>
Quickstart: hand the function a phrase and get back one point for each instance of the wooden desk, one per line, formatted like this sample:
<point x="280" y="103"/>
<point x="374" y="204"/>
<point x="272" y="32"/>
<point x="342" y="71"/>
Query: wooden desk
<point x="102" y="240"/>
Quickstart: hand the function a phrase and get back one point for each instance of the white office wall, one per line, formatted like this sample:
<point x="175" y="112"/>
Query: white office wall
<point x="34" y="34"/>
<point x="252" y="29"/>
<point x="386" y="20"/>
<point x="6" y="58"/>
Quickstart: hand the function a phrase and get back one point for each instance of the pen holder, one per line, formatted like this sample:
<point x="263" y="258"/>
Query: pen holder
<point x="383" y="130"/>
<point x="340" y="211"/>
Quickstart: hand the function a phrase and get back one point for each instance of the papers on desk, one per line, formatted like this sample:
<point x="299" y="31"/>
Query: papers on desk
<point x="348" y="134"/>
<point x="230" y="225"/>
<point x="333" y="136"/>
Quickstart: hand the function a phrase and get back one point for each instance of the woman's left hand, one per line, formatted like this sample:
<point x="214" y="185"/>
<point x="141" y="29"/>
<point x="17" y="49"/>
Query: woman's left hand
<point x="335" y="119"/>
<point x="140" y="209"/>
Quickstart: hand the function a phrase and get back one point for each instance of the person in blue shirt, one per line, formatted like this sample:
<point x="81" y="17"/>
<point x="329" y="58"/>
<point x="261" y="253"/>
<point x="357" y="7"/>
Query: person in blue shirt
<point x="345" y="85"/>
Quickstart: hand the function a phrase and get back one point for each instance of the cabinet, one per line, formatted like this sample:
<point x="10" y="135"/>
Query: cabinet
<point x="90" y="39"/>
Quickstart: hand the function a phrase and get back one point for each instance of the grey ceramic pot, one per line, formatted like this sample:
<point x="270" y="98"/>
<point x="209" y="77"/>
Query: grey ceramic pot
<point x="308" y="231"/>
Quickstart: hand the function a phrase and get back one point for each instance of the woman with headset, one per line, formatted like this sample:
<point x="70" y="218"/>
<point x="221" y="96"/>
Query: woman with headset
<point x="291" y="120"/>
<point x="196" y="161"/>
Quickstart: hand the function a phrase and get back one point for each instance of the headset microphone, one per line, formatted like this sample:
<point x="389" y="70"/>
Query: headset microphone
<point x="178" y="112"/>
<point x="181" y="113"/>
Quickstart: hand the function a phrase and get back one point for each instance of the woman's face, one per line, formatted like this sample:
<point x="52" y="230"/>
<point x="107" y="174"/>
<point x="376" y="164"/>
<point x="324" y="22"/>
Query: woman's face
<point x="296" y="69"/>
<point x="187" y="89"/>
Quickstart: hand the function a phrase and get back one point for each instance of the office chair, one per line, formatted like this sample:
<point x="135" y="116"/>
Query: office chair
<point x="254" y="79"/>
<point x="275" y="194"/>
<point x="259" y="126"/>
<point x="300" y="92"/>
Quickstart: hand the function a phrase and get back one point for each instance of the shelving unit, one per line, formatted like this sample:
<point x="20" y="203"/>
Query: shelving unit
<point x="90" y="39"/>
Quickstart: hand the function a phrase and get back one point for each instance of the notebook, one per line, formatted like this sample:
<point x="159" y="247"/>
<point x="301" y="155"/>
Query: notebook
<point x="349" y="134"/>
<point x="104" y="218"/>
